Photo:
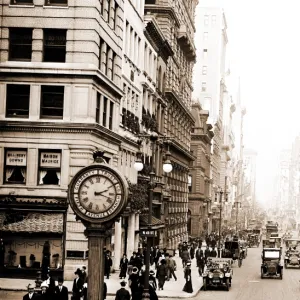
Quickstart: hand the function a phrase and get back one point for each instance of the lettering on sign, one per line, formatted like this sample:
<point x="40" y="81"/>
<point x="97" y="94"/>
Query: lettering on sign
<point x="50" y="160"/>
<point x="16" y="158"/>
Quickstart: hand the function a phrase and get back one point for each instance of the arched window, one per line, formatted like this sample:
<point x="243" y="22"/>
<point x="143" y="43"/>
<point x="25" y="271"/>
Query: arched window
<point x="159" y="79"/>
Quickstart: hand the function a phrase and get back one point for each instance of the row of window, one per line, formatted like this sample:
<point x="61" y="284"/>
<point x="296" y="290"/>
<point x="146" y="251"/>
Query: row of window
<point x="18" y="99"/>
<point x="15" y="167"/>
<point x="54" y="44"/>
<point x="213" y="20"/>
<point x="132" y="45"/>
<point x="54" y="48"/>
<point x="47" y="2"/>
<point x="52" y="104"/>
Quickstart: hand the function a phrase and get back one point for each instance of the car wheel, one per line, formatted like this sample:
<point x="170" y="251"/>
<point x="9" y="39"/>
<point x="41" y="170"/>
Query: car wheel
<point x="204" y="285"/>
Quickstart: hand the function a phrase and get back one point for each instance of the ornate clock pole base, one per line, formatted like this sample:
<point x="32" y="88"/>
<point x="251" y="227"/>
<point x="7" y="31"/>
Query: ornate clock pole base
<point x="96" y="234"/>
<point x="146" y="295"/>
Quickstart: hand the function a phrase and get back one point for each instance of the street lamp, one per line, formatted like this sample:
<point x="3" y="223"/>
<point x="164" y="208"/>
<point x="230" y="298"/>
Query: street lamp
<point x="167" y="167"/>
<point x="220" y="192"/>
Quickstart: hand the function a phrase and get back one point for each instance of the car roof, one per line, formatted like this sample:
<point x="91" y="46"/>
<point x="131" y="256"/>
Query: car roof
<point x="271" y="249"/>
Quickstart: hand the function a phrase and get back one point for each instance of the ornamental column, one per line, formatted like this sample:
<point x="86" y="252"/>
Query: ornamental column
<point x="118" y="244"/>
<point x="131" y="232"/>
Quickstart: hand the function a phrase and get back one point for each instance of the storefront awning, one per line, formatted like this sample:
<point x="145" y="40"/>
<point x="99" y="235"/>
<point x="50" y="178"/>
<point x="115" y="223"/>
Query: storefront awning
<point x="31" y="222"/>
<point x="156" y="223"/>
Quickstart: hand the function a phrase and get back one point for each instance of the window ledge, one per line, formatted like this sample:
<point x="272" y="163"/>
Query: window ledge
<point x="22" y="5"/>
<point x="56" y="6"/>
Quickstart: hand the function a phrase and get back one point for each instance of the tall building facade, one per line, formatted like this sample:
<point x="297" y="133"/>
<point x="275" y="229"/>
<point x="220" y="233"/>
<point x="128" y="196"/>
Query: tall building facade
<point x="199" y="176"/>
<point x="176" y="22"/>
<point x="209" y="79"/>
<point x="61" y="90"/>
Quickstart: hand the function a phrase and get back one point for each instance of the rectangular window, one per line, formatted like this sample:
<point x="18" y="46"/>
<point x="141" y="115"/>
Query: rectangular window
<point x="52" y="102"/>
<point x="203" y="86"/>
<point x="116" y="15"/>
<point x="204" y="53"/>
<point x="15" y="166"/>
<point x="204" y="70"/>
<point x="213" y="19"/>
<point x="205" y="36"/>
<point x="108" y="49"/>
<point x="108" y="10"/>
<point x="111" y="113"/>
<point x="17" y="100"/>
<point x="101" y="54"/>
<point x="49" y="167"/>
<point x="101" y="7"/>
<point x="104" y="113"/>
<point x="20" y="44"/>
<point x="56" y="2"/>
<point x="206" y="20"/>
<point x="114" y="62"/>
<point x="98" y="103"/>
<point x="21" y="2"/>
<point x="55" y="41"/>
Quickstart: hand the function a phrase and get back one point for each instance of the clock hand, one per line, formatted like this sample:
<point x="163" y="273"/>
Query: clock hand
<point x="99" y="193"/>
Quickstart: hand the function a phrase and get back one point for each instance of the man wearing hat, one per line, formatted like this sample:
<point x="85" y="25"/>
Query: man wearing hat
<point x="44" y="293"/>
<point x="77" y="285"/>
<point x="31" y="295"/>
<point x="61" y="292"/>
<point x="122" y="293"/>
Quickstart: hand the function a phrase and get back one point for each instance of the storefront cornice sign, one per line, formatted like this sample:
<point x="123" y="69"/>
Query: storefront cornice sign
<point x="16" y="158"/>
<point x="148" y="233"/>
<point x="50" y="159"/>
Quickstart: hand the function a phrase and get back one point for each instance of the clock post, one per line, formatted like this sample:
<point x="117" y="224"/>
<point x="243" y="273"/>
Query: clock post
<point x="96" y="237"/>
<point x="98" y="195"/>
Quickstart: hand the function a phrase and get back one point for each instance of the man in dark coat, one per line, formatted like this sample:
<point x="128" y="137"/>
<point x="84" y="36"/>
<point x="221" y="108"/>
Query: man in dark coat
<point x="123" y="266"/>
<point x="213" y="252"/>
<point x="60" y="291"/>
<point x="122" y="293"/>
<point x="77" y="285"/>
<point x="107" y="265"/>
<point x="31" y="295"/>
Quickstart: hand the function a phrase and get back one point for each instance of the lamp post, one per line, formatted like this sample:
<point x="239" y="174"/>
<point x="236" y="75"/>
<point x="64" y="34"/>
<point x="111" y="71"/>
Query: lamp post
<point x="220" y="192"/>
<point x="237" y="205"/>
<point x="167" y="167"/>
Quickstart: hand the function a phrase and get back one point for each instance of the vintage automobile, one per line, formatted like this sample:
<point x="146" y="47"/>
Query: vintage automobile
<point x="253" y="240"/>
<point x="271" y="263"/>
<point x="292" y="258"/>
<point x="218" y="273"/>
<point x="292" y="243"/>
<point x="270" y="243"/>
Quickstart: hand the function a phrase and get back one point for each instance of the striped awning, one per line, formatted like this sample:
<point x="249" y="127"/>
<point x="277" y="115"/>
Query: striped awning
<point x="34" y="222"/>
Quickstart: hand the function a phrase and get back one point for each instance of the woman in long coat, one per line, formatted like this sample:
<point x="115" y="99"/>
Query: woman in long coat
<point x="188" y="279"/>
<point x="161" y="274"/>
<point x="123" y="266"/>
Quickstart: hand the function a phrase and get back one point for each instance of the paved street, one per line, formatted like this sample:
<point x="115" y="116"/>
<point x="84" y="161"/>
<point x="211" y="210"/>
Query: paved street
<point x="247" y="284"/>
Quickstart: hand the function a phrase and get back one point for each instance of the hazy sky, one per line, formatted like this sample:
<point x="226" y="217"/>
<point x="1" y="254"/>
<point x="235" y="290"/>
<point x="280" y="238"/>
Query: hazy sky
<point x="264" y="49"/>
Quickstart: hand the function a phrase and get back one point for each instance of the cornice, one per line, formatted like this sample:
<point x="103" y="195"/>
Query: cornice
<point x="182" y="150"/>
<point x="13" y="69"/>
<point x="66" y="127"/>
<point x="201" y="137"/>
<point x="172" y="94"/>
<point x="160" y="9"/>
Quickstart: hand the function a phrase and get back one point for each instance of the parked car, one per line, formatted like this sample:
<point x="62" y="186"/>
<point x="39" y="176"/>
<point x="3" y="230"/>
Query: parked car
<point x="218" y="273"/>
<point x="271" y="263"/>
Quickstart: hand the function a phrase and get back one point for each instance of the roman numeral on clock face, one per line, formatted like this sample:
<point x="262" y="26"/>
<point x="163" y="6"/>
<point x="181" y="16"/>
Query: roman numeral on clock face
<point x="90" y="205"/>
<point x="85" y="200"/>
<point x="109" y="200"/>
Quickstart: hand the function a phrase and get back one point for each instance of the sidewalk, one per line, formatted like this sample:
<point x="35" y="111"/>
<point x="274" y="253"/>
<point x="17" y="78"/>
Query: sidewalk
<point x="172" y="288"/>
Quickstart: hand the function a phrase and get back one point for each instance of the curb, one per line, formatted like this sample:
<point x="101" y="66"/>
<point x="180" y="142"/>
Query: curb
<point x="192" y="295"/>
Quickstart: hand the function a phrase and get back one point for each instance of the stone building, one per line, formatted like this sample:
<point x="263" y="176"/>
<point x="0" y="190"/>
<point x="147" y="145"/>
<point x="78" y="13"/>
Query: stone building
<point x="61" y="90"/>
<point x="199" y="176"/>
<point x="176" y="22"/>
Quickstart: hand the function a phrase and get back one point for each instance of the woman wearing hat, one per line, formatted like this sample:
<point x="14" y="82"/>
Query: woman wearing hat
<point x="134" y="283"/>
<point x="188" y="278"/>
<point x="161" y="274"/>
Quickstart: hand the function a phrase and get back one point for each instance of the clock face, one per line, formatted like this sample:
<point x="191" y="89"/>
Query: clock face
<point x="97" y="193"/>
